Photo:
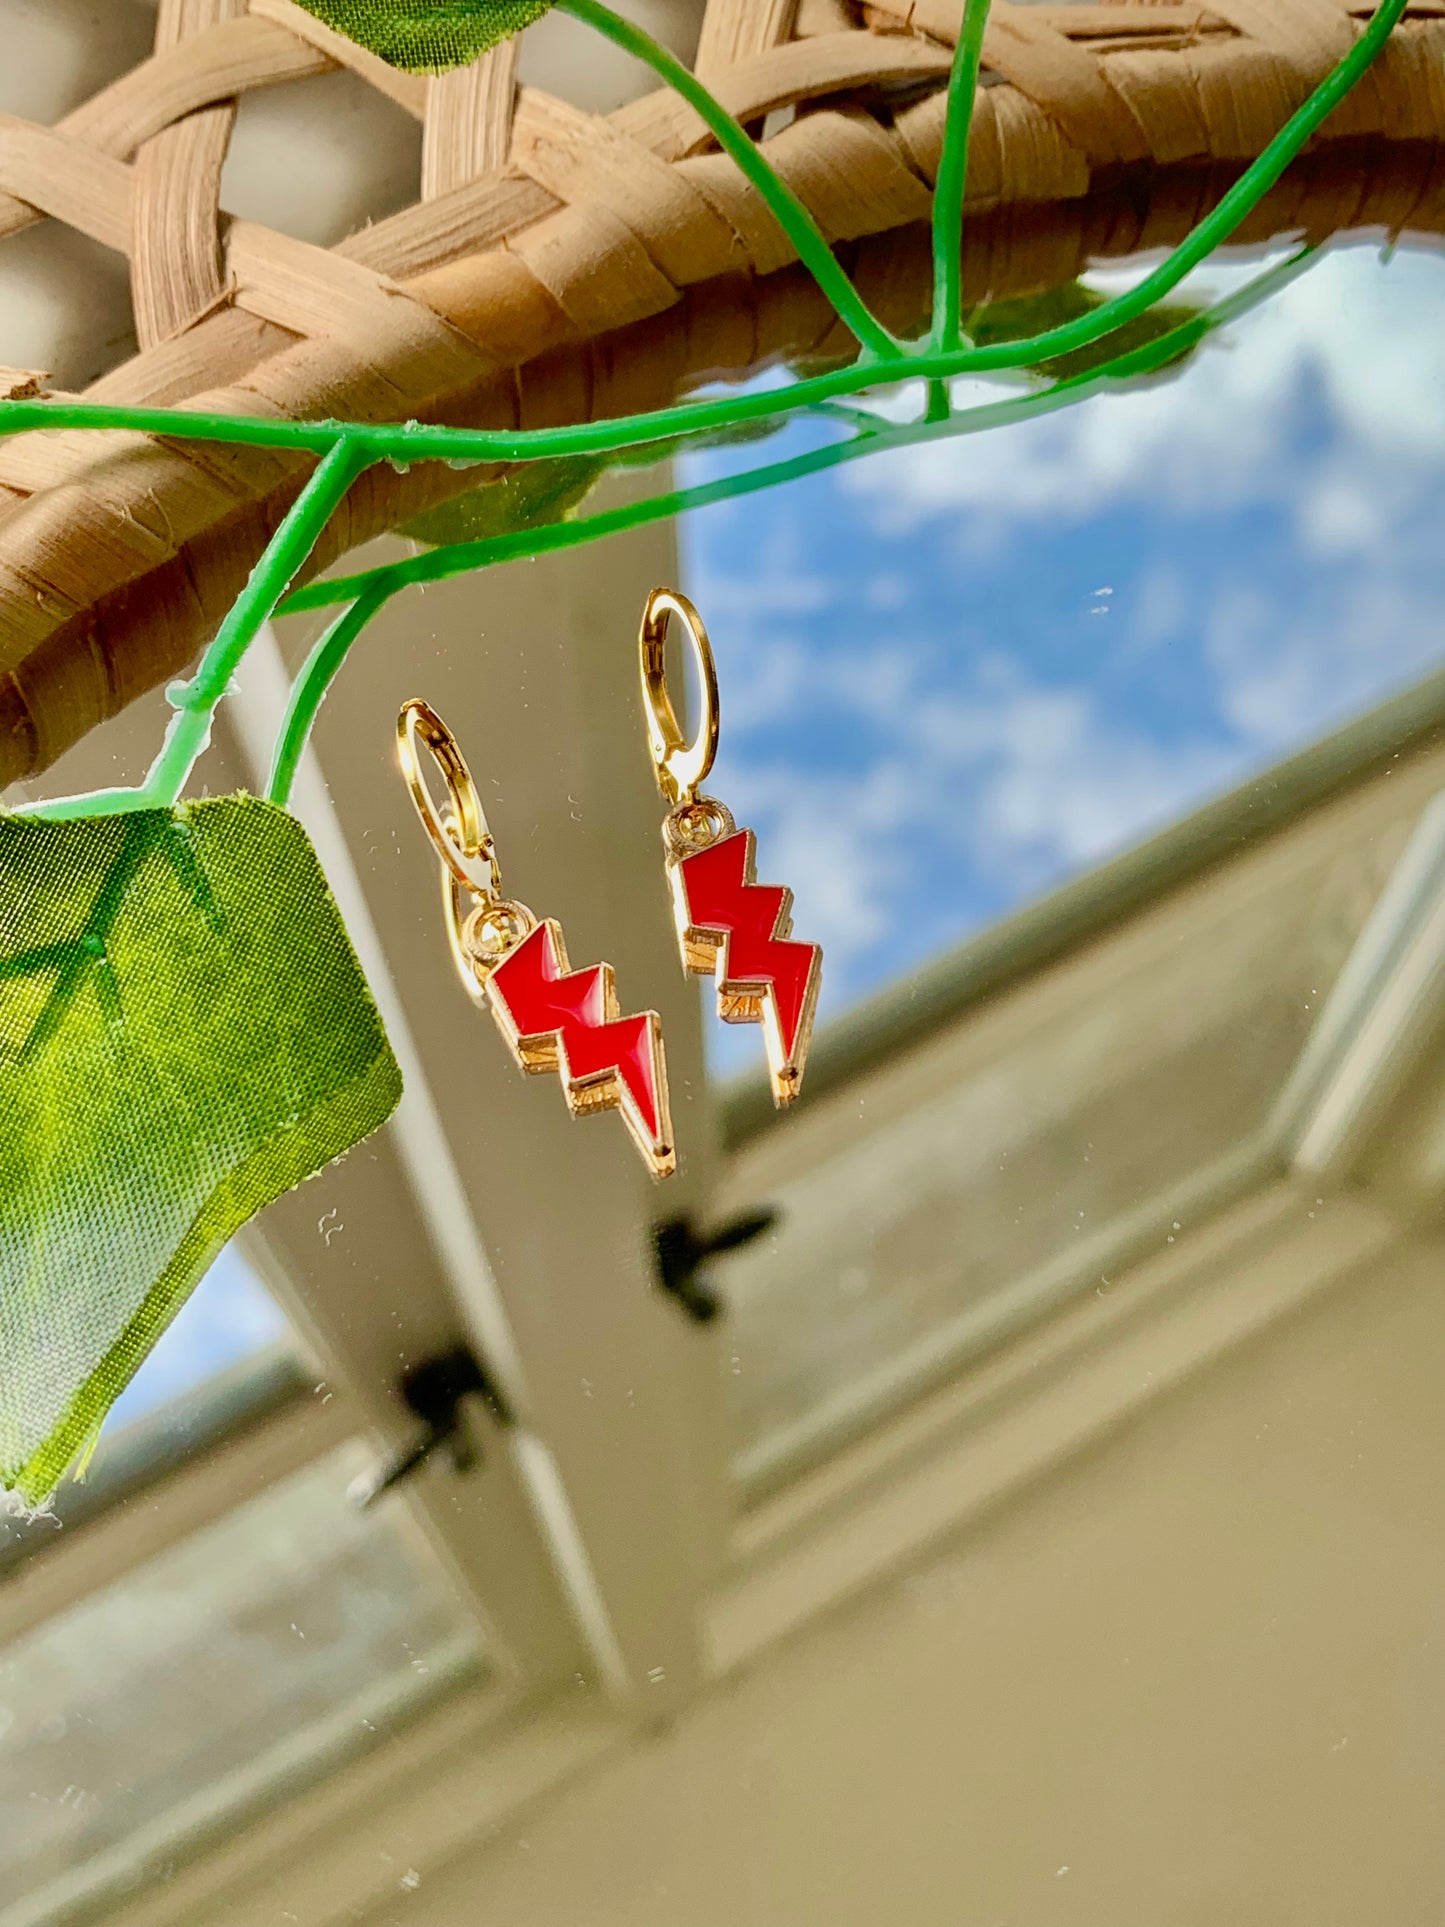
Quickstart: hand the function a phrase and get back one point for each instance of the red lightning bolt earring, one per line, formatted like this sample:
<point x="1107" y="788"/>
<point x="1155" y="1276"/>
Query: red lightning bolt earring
<point x="728" y="924"/>
<point x="555" y="1018"/>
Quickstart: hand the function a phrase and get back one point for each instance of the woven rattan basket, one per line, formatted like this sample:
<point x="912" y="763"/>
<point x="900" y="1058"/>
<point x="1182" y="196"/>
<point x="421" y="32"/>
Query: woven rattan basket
<point x="560" y="266"/>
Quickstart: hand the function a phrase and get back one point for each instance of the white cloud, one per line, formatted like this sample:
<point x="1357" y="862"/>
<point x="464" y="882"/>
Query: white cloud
<point x="1043" y="778"/>
<point x="1220" y="431"/>
<point x="1159" y="610"/>
<point x="995" y="777"/>
<point x="1280" y="679"/>
<point x="841" y="843"/>
<point x="888" y="590"/>
<point x="1008" y="781"/>
<point x="1062" y="783"/>
<point x="783" y="577"/>
<point x="960" y="776"/>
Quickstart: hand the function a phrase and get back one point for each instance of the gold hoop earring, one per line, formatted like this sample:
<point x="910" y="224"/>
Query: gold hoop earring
<point x="554" y="1018"/>
<point x="729" y="926"/>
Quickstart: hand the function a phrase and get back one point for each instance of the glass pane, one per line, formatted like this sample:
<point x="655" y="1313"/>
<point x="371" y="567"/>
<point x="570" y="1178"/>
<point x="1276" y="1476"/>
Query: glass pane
<point x="964" y="674"/>
<point x="292" y="1634"/>
<point x="1005" y="1160"/>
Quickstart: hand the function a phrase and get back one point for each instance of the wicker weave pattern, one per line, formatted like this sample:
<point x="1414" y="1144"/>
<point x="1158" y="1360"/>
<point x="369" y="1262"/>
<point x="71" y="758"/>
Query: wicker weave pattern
<point x="541" y="230"/>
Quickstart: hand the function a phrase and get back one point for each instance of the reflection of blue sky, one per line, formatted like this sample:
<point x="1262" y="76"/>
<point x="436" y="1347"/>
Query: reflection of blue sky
<point x="954" y="675"/>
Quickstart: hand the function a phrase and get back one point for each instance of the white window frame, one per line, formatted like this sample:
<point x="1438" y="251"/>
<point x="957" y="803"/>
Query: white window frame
<point x="573" y="1590"/>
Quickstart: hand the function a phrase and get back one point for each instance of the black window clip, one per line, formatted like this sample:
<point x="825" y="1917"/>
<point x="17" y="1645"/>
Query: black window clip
<point x="683" y="1252"/>
<point x="434" y="1392"/>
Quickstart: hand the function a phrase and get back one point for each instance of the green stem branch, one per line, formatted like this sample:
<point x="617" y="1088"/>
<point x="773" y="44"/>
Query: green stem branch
<point x="310" y="687"/>
<point x="190" y="731"/>
<point x="796" y="222"/>
<point x="1216" y="227"/>
<point x="196" y="701"/>
<point x="347" y="448"/>
<point x="873" y="435"/>
<point x="415" y="441"/>
<point x="949" y="183"/>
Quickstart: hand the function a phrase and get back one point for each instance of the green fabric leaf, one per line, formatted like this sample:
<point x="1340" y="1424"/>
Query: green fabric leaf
<point x="427" y="36"/>
<point x="530" y="496"/>
<point x="534" y="495"/>
<point x="1022" y="316"/>
<point x="185" y="1033"/>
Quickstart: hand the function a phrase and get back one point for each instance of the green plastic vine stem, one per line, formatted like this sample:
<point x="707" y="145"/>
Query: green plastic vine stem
<point x="196" y="702"/>
<point x="872" y="433"/>
<point x="797" y="223"/>
<point x="366" y="592"/>
<point x="416" y="441"/>
<point x="948" y="185"/>
<point x="311" y="684"/>
<point x="268" y="582"/>
<point x="348" y="447"/>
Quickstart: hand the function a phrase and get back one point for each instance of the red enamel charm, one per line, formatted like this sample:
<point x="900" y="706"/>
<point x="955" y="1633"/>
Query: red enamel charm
<point x="555" y="1018"/>
<point x="570" y="1021"/>
<point x="728" y="924"/>
<point x="739" y="930"/>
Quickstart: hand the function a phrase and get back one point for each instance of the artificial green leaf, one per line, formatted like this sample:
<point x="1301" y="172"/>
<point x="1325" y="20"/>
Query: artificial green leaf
<point x="749" y="429"/>
<point x="185" y="1033"/>
<point x="1022" y="316"/>
<point x="427" y="36"/>
<point x="532" y="495"/>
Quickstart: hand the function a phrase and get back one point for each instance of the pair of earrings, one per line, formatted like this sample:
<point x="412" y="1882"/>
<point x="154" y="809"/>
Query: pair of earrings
<point x="728" y="925"/>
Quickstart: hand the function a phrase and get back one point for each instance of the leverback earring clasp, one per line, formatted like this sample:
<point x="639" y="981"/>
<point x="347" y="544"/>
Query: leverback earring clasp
<point x="482" y="934"/>
<point x="680" y="765"/>
<point x="461" y="836"/>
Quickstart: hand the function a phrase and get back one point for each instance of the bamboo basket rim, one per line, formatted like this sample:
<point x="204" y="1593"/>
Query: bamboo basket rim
<point x="560" y="266"/>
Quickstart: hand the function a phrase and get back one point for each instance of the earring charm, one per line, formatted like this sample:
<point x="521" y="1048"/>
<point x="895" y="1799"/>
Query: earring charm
<point x="729" y="925"/>
<point x="554" y="1018"/>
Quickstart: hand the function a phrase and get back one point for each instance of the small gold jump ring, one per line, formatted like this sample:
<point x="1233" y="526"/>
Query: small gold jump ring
<point x="480" y="933"/>
<point x="696" y="825"/>
<point x="461" y="837"/>
<point x="680" y="765"/>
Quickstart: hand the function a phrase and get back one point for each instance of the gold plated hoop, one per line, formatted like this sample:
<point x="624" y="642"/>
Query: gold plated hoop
<point x="461" y="837"/>
<point x="513" y="962"/>
<point x="680" y="765"/>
